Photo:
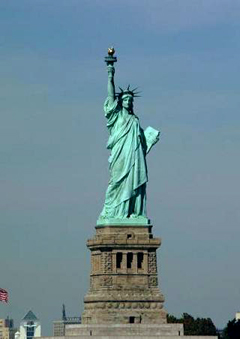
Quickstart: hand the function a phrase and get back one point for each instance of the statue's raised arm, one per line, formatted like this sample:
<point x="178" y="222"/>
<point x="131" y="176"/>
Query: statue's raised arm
<point x="111" y="85"/>
<point x="110" y="60"/>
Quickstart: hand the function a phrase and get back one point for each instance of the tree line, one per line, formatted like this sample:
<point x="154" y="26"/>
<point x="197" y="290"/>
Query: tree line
<point x="205" y="326"/>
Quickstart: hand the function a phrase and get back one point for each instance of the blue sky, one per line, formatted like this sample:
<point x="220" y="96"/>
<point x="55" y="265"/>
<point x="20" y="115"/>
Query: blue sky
<point x="184" y="56"/>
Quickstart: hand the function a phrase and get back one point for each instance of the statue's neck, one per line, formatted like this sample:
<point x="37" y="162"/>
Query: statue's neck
<point x="126" y="111"/>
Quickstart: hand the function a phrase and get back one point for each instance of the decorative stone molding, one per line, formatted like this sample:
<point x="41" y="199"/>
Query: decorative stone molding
<point x="152" y="262"/>
<point x="153" y="281"/>
<point x="107" y="262"/>
<point x="124" y="305"/>
<point x="107" y="281"/>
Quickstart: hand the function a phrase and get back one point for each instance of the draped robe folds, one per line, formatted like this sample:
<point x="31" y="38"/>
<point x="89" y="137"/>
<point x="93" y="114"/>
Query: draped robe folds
<point x="126" y="192"/>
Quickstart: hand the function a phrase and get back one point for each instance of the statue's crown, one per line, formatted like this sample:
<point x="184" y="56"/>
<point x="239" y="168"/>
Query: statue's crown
<point x="128" y="91"/>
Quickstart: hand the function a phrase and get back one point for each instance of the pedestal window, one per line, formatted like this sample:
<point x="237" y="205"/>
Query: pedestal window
<point x="119" y="258"/>
<point x="140" y="260"/>
<point x="129" y="259"/>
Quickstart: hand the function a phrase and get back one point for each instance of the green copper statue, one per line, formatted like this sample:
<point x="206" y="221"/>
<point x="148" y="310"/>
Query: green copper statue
<point x="125" y="201"/>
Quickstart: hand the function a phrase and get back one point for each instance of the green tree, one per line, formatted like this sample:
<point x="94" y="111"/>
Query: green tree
<point x="199" y="326"/>
<point x="172" y="320"/>
<point x="232" y="330"/>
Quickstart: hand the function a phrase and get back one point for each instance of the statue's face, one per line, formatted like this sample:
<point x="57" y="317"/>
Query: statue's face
<point x="127" y="102"/>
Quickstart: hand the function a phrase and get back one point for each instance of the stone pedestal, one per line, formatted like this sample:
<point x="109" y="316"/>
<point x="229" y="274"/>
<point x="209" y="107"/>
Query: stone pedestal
<point x="123" y="280"/>
<point x="124" y="300"/>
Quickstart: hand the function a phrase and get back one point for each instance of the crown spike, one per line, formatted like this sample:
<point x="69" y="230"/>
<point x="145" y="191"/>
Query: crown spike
<point x="128" y="91"/>
<point x="133" y="90"/>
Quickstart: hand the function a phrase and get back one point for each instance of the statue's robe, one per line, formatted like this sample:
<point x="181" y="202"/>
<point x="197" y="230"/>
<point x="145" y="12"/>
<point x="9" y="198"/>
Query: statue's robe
<point x="126" y="192"/>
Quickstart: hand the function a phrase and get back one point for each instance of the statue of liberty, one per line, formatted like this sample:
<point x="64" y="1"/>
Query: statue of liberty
<point x="125" y="200"/>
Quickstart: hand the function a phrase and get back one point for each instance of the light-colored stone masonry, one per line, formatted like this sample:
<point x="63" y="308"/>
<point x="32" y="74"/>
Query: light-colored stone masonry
<point x="123" y="280"/>
<point x="125" y="330"/>
<point x="124" y="300"/>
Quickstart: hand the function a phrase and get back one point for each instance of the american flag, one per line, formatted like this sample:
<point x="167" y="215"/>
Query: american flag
<point x="3" y="295"/>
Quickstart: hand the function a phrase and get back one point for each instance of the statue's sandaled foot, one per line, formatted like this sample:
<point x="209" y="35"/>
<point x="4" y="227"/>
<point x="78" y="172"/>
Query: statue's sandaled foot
<point x="134" y="216"/>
